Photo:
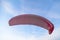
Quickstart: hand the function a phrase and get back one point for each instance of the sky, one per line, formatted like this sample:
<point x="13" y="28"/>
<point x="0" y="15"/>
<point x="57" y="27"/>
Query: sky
<point x="49" y="9"/>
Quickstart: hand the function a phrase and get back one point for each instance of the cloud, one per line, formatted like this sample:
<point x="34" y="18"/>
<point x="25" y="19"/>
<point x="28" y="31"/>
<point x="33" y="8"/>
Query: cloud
<point x="53" y="15"/>
<point x="8" y="8"/>
<point x="54" y="11"/>
<point x="8" y="34"/>
<point x="54" y="36"/>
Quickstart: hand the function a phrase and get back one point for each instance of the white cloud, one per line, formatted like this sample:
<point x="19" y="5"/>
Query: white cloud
<point x="6" y="34"/>
<point x="8" y="8"/>
<point x="54" y="11"/>
<point x="54" y="36"/>
<point x="53" y="15"/>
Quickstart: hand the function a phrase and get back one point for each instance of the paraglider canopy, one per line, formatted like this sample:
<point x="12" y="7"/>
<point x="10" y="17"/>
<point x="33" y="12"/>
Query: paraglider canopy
<point x="32" y="20"/>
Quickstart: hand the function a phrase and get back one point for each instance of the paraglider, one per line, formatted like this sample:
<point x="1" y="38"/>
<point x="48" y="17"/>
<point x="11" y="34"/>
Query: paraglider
<point x="32" y="19"/>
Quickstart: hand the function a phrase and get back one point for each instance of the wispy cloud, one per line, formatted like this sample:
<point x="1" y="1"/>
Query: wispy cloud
<point x="8" y="35"/>
<point x="53" y="15"/>
<point x="54" y="11"/>
<point x="8" y="8"/>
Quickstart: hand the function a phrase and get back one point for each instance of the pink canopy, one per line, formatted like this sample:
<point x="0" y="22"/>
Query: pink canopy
<point x="32" y="19"/>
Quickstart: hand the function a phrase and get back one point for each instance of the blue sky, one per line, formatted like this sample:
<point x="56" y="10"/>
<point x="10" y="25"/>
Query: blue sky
<point x="49" y="9"/>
